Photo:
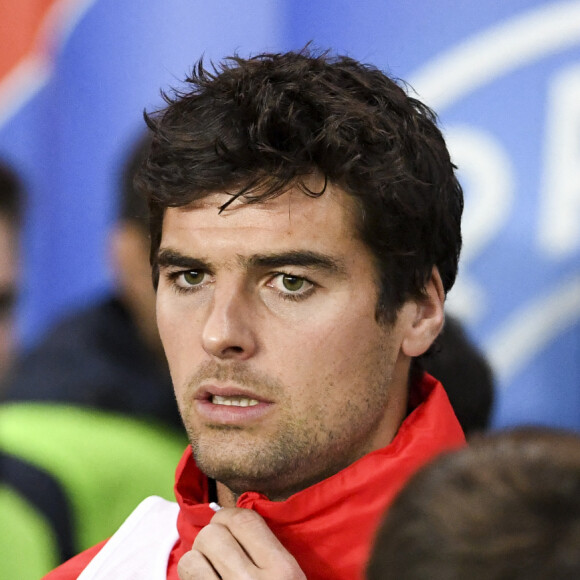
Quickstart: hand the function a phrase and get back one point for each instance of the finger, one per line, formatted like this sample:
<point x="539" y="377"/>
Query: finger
<point x="255" y="537"/>
<point x="193" y="565"/>
<point x="224" y="552"/>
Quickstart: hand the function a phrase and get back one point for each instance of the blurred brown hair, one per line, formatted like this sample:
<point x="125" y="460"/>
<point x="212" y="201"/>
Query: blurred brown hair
<point x="506" y="507"/>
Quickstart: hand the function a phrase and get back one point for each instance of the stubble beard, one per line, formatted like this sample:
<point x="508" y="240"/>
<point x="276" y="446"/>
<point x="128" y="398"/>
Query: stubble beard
<point x="244" y="463"/>
<point x="243" y="458"/>
<point x="298" y="453"/>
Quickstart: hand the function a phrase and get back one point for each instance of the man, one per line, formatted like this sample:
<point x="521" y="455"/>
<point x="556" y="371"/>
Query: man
<point x="507" y="506"/>
<point x="305" y="227"/>
<point x="10" y="206"/>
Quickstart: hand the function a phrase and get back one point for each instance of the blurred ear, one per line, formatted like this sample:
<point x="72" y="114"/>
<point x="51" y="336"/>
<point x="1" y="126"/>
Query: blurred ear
<point x="426" y="317"/>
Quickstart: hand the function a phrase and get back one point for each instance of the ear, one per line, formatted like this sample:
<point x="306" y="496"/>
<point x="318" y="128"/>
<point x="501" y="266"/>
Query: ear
<point x="426" y="317"/>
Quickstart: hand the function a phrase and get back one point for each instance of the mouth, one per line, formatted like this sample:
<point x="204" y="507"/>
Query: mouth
<point x="234" y="401"/>
<point x="229" y="396"/>
<point x="231" y="405"/>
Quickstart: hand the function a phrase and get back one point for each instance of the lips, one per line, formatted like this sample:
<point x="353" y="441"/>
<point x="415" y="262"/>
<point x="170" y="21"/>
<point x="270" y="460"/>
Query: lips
<point x="219" y="404"/>
<point x="228" y="395"/>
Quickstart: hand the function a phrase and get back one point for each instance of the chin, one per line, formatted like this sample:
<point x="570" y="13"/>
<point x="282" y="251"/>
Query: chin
<point x="242" y="474"/>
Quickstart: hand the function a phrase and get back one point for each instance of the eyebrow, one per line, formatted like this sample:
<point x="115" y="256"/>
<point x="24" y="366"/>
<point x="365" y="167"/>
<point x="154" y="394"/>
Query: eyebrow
<point x="302" y="258"/>
<point x="168" y="258"/>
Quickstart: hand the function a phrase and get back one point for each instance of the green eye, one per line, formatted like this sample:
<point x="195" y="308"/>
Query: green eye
<point x="292" y="283"/>
<point x="193" y="277"/>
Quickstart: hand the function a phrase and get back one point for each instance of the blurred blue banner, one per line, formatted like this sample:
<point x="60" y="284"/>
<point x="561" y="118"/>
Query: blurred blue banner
<point x="504" y="78"/>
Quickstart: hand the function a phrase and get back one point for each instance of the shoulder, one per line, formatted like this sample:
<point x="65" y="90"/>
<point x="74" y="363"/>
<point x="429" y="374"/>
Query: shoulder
<point x="72" y="568"/>
<point x="140" y="548"/>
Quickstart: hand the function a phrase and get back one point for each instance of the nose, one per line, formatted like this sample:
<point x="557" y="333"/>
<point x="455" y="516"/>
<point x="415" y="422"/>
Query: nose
<point x="228" y="332"/>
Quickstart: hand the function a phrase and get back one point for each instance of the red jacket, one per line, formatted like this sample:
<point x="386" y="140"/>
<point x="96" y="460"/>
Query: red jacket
<point x="328" y="527"/>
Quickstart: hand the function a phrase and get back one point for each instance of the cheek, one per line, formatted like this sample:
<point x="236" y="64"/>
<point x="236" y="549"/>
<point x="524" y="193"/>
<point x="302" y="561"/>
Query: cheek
<point x="336" y="355"/>
<point x="177" y="333"/>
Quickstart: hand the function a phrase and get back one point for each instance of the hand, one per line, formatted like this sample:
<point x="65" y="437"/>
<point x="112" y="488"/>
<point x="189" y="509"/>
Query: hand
<point x="238" y="545"/>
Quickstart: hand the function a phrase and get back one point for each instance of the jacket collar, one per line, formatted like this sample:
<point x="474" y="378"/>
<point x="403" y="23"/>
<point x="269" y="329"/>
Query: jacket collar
<point x="330" y="525"/>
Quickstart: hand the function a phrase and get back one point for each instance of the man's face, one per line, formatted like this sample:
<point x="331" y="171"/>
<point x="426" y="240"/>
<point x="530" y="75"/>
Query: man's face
<point x="267" y="315"/>
<point x="8" y="281"/>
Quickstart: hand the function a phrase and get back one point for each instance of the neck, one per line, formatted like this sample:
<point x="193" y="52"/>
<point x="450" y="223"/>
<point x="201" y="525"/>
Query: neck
<point x="226" y="497"/>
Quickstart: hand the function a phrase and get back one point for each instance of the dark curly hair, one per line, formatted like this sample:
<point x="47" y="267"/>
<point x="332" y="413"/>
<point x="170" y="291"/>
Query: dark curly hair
<point x="256" y="127"/>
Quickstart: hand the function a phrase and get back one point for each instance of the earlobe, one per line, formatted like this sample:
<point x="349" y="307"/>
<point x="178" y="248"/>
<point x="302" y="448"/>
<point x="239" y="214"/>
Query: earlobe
<point x="426" y="318"/>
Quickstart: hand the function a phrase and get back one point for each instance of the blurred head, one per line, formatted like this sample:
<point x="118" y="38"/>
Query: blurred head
<point x="256" y="127"/>
<point x="129" y="250"/>
<point x="10" y="210"/>
<point x="465" y="373"/>
<point x="507" y="506"/>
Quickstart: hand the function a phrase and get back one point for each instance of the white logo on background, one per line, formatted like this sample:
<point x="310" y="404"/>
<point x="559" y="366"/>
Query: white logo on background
<point x="490" y="181"/>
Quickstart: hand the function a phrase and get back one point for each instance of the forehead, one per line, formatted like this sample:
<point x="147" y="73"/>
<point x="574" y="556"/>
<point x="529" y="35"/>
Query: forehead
<point x="292" y="218"/>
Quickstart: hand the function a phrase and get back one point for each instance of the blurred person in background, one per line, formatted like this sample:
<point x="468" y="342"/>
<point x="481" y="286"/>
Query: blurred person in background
<point x="88" y="425"/>
<point x="28" y="544"/>
<point x="34" y="513"/>
<point x="505" y="507"/>
<point x="10" y="216"/>
<point x="108" y="355"/>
